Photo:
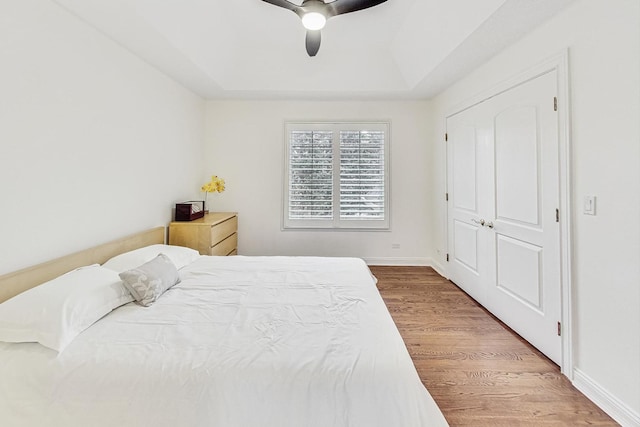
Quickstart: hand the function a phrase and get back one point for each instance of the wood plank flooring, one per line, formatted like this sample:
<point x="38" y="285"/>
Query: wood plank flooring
<point x="479" y="372"/>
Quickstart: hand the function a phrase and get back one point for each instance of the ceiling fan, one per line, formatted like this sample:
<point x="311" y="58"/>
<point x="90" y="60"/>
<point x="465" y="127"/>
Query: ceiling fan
<point x="314" y="14"/>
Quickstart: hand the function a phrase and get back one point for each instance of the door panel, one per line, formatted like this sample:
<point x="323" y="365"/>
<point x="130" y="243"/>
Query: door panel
<point x="506" y="251"/>
<point x="516" y="164"/>
<point x="519" y="264"/>
<point x="467" y="257"/>
<point x="464" y="166"/>
<point x="466" y="245"/>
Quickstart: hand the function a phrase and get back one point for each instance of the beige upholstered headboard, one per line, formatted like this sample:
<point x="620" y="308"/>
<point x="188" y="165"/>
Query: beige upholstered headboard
<point x="19" y="281"/>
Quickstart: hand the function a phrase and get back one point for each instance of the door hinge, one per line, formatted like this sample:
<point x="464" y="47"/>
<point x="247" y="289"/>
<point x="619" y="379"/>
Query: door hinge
<point x="559" y="329"/>
<point x="555" y="103"/>
<point x="446" y="137"/>
<point x="447" y="257"/>
<point x="446" y="196"/>
<point x="557" y="215"/>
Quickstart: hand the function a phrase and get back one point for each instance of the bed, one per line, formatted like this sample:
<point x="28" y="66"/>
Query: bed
<point x="238" y="342"/>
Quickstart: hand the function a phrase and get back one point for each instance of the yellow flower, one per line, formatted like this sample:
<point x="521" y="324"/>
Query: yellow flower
<point x="216" y="185"/>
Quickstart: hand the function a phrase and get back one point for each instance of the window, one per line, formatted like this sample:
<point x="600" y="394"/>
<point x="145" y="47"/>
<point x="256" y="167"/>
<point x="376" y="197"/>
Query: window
<point x="336" y="175"/>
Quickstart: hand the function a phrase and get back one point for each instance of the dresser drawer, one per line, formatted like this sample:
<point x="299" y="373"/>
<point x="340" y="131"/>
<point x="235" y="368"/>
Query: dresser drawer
<point x="221" y="231"/>
<point x="226" y="247"/>
<point x="214" y="234"/>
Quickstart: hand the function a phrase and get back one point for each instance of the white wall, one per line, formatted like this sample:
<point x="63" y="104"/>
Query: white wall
<point x="246" y="147"/>
<point x="604" y="53"/>
<point x="94" y="143"/>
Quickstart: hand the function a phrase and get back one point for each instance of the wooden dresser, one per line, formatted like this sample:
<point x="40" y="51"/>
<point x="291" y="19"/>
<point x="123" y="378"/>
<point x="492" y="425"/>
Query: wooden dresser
<point x="215" y="234"/>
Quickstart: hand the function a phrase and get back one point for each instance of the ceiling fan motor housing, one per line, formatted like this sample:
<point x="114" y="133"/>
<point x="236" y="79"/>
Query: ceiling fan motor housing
<point x="315" y="13"/>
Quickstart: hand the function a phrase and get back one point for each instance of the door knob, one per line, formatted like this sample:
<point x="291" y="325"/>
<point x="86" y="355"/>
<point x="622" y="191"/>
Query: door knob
<point x="481" y="222"/>
<point x="489" y="224"/>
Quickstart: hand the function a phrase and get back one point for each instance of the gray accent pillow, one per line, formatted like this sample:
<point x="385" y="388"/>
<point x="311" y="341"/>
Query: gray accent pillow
<point x="150" y="280"/>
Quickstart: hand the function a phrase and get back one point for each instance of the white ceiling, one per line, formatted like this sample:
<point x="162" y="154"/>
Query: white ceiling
<point x="402" y="49"/>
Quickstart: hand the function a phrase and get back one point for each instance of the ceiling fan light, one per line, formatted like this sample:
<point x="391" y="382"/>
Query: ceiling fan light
<point x="314" y="21"/>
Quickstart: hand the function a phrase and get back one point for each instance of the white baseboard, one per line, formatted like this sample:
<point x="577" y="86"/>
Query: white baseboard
<point x="423" y="262"/>
<point x="616" y="409"/>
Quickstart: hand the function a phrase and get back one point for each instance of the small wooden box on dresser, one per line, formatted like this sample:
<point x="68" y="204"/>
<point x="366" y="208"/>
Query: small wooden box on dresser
<point x="214" y="234"/>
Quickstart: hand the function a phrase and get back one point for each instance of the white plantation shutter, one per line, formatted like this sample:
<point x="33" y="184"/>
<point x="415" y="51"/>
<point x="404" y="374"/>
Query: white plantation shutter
<point x="362" y="177"/>
<point x="311" y="175"/>
<point x="336" y="175"/>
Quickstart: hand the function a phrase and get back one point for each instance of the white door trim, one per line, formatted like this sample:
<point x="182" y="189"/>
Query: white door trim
<point x="559" y="63"/>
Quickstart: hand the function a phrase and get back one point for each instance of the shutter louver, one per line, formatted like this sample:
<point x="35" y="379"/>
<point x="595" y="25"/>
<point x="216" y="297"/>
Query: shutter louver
<point x="362" y="175"/>
<point x="311" y="175"/>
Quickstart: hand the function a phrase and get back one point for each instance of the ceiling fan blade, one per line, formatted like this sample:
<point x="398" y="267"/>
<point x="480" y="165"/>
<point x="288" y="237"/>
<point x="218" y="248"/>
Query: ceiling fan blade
<point x="339" y="7"/>
<point x="285" y="4"/>
<point x="313" y="42"/>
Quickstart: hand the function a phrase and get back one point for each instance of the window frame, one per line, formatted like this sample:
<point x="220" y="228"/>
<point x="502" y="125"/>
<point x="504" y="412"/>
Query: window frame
<point x="337" y="223"/>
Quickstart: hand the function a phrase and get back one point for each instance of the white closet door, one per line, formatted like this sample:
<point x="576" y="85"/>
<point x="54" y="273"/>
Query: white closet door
<point x="518" y="245"/>
<point x="467" y="180"/>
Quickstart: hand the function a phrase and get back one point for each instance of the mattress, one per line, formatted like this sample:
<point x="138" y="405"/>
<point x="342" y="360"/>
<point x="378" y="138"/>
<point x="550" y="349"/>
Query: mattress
<point x="239" y="342"/>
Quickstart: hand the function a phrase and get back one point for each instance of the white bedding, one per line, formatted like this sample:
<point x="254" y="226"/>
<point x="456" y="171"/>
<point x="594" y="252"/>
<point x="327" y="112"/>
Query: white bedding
<point x="240" y="342"/>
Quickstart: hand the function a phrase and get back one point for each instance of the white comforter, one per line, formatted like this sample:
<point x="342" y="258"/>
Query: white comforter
<point x="240" y="342"/>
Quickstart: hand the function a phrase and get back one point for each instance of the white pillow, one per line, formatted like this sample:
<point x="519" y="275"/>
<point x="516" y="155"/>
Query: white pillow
<point x="55" y="312"/>
<point x="179" y="255"/>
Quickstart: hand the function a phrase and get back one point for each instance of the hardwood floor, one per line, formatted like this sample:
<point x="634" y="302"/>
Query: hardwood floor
<point x="479" y="372"/>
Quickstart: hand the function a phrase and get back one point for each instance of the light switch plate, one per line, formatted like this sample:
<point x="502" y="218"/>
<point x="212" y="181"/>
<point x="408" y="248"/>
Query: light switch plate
<point x="589" y="205"/>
